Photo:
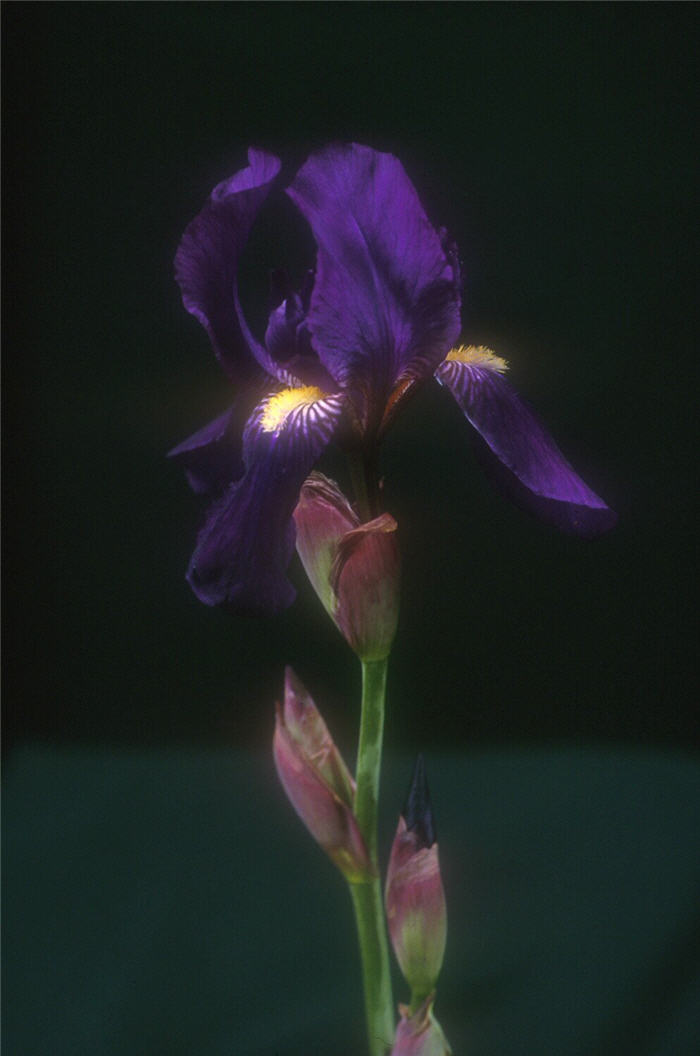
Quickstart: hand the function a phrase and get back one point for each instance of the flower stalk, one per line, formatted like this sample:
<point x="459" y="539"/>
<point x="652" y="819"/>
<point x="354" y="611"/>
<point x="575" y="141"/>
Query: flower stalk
<point x="364" y="484"/>
<point x="367" y="897"/>
<point x="376" y="319"/>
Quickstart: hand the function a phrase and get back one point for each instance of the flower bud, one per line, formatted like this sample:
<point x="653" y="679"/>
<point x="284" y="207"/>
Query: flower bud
<point x="317" y="781"/>
<point x="353" y="567"/>
<point x="415" y="900"/>
<point x="420" y="1034"/>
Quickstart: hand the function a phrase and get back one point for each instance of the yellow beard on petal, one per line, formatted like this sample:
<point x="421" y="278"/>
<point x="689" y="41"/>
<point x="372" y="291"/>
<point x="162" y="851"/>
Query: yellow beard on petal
<point x="280" y="406"/>
<point x="479" y="356"/>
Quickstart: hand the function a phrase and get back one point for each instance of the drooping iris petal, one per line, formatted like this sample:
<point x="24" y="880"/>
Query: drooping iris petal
<point x="517" y="450"/>
<point x="247" y="541"/>
<point x="212" y="457"/>
<point x="385" y="302"/>
<point x="206" y="263"/>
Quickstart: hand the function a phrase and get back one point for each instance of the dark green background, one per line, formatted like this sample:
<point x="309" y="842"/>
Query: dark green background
<point x="147" y="839"/>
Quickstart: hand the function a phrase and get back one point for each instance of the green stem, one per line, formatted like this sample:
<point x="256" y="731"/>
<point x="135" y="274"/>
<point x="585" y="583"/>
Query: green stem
<point x="369" y="752"/>
<point x="367" y="898"/>
<point x="358" y="477"/>
<point x="365" y="482"/>
<point x="417" y="998"/>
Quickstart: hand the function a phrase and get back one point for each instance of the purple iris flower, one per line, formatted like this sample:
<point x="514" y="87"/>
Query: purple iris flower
<point x="380" y="315"/>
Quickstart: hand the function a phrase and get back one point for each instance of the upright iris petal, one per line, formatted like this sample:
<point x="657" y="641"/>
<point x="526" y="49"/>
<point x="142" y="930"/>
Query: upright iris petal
<point x="386" y="301"/>
<point x="288" y="342"/>
<point x="206" y="264"/>
<point x="283" y="337"/>
<point x="518" y="451"/>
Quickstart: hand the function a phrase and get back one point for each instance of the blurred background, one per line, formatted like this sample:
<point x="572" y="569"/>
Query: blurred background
<point x="555" y="143"/>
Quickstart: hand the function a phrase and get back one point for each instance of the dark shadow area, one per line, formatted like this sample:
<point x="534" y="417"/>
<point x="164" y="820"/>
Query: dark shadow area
<point x="553" y="142"/>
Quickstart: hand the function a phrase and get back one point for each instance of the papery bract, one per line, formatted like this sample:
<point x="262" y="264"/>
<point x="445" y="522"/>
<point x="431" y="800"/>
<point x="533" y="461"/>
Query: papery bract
<point x="420" y="1034"/>
<point x="353" y="567"/>
<point x="317" y="781"/>
<point x="414" y="895"/>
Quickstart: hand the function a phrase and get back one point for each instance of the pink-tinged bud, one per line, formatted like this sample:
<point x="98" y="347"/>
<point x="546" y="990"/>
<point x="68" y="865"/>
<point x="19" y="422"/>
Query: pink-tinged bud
<point x="415" y="899"/>
<point x="353" y="567"/>
<point x="317" y="781"/>
<point x="420" y="1034"/>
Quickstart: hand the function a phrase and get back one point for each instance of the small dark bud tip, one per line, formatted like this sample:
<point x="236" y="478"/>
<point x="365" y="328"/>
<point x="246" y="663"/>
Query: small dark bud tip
<point x="418" y="810"/>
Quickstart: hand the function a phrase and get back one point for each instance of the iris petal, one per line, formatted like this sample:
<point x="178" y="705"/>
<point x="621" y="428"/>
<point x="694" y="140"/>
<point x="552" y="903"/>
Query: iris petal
<point x="288" y="342"/>
<point x="519" y="453"/>
<point x="211" y="457"/>
<point x="281" y="336"/>
<point x="386" y="300"/>
<point x="247" y="541"/>
<point x="206" y="263"/>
